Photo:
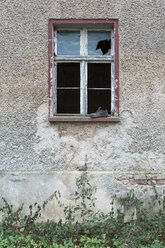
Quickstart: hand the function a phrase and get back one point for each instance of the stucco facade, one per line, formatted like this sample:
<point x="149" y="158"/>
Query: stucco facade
<point x="38" y="157"/>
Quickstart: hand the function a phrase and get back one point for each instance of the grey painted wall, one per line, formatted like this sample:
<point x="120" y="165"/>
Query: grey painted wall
<point x="37" y="157"/>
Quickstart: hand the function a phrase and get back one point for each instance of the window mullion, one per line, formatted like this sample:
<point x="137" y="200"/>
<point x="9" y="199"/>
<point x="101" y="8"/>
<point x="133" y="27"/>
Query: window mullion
<point x="83" y="73"/>
<point x="83" y="88"/>
<point x="83" y="42"/>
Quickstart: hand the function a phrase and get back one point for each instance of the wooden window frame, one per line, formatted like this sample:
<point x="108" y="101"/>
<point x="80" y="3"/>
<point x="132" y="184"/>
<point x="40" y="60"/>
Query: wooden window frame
<point x="114" y="58"/>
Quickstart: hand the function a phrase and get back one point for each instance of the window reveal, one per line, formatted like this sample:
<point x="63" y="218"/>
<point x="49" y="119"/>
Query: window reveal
<point x="83" y="70"/>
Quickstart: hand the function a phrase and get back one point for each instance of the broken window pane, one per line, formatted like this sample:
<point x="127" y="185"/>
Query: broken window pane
<point x="68" y="43"/>
<point x="99" y="75"/>
<point x="68" y="101"/>
<point x="68" y="74"/>
<point x="99" y="43"/>
<point x="99" y="98"/>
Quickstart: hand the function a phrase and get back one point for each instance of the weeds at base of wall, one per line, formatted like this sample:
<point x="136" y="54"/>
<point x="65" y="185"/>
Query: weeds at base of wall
<point x="83" y="228"/>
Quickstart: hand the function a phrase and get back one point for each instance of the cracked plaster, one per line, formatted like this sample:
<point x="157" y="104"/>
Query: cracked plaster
<point x="107" y="149"/>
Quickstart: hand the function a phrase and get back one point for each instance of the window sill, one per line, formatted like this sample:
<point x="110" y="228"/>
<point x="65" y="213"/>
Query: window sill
<point x="82" y="119"/>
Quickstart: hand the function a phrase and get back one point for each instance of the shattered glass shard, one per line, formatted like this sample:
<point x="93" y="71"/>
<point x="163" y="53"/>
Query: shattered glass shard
<point x="104" y="45"/>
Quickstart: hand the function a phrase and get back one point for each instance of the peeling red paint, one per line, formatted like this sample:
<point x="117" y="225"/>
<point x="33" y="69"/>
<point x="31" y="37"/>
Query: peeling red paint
<point x="83" y="21"/>
<point x="116" y="66"/>
<point x="50" y="63"/>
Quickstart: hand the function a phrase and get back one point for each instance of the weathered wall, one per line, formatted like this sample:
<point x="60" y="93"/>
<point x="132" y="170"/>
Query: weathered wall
<point x="33" y="151"/>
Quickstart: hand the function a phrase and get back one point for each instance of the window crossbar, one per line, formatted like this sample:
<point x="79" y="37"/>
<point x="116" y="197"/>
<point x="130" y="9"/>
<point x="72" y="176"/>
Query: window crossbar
<point x="68" y="88"/>
<point x="99" y="88"/>
<point x="81" y="58"/>
<point x="72" y="88"/>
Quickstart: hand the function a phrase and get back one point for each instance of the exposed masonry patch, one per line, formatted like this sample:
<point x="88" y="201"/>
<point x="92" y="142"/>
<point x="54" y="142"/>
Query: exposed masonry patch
<point x="106" y="146"/>
<point x="149" y="180"/>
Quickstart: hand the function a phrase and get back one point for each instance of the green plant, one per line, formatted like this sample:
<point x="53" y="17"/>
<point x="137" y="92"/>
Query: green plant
<point x="94" y="242"/>
<point x="84" y="195"/>
<point x="12" y="218"/>
<point x="83" y="227"/>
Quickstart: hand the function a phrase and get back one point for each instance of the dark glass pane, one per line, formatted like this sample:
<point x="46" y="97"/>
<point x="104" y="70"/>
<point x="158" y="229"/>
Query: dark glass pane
<point x="68" y="75"/>
<point x="68" y="43"/>
<point x="68" y="101"/>
<point x="99" y="75"/>
<point x="99" y="98"/>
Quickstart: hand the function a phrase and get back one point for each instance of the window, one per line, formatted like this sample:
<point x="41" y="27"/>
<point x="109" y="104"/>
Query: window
<point x="83" y="69"/>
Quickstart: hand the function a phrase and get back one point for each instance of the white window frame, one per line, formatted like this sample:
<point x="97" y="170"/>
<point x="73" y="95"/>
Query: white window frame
<point x="83" y="59"/>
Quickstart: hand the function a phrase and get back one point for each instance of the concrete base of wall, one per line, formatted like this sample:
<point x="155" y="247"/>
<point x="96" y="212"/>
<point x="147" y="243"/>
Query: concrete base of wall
<point x="29" y="188"/>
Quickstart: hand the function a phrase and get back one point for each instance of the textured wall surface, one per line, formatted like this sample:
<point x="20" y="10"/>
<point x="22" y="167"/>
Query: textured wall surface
<point x="34" y="152"/>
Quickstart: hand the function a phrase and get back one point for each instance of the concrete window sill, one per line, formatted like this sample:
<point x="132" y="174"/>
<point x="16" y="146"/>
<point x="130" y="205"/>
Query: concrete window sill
<point x="82" y="119"/>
